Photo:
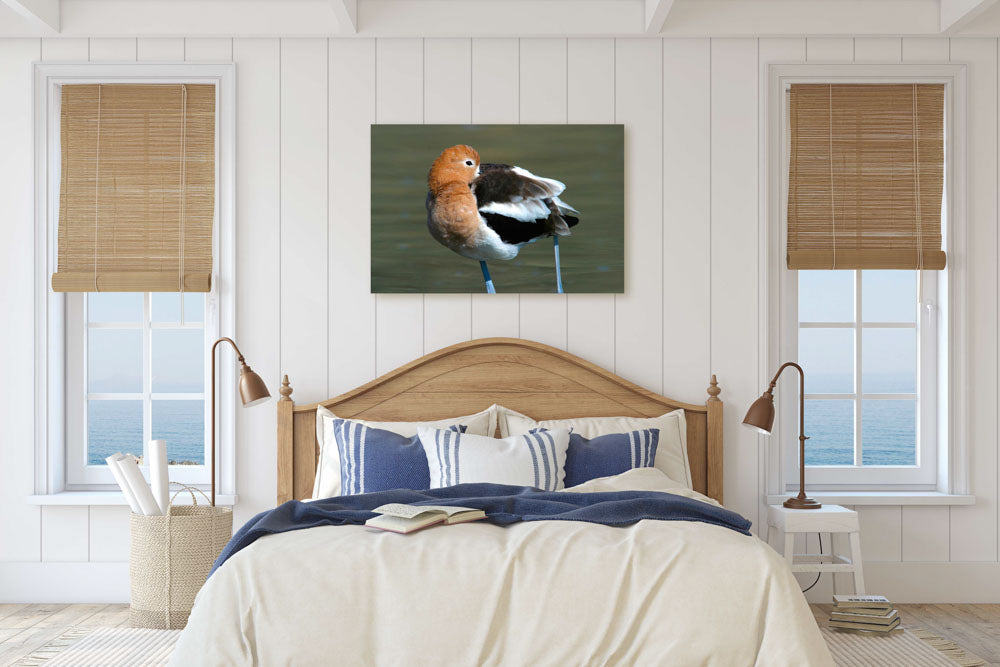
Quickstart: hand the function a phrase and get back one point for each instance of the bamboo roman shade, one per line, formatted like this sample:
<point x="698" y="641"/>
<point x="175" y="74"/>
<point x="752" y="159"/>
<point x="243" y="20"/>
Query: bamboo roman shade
<point x="137" y="193"/>
<point x="866" y="176"/>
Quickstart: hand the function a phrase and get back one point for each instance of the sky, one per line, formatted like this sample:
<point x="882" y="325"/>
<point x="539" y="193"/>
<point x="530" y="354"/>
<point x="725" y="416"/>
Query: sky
<point x="115" y="355"/>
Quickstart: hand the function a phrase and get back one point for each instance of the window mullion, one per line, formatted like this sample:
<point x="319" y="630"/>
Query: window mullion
<point x="858" y="388"/>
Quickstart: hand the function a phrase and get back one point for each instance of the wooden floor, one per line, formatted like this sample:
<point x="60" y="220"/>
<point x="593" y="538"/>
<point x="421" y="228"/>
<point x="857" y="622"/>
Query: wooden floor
<point x="26" y="627"/>
<point x="974" y="627"/>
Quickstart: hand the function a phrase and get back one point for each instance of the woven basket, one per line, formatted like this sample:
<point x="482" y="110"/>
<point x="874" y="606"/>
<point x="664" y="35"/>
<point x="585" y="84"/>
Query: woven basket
<point x="170" y="559"/>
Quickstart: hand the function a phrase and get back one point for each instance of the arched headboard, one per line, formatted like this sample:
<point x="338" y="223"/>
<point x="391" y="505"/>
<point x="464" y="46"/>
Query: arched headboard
<point x="537" y="380"/>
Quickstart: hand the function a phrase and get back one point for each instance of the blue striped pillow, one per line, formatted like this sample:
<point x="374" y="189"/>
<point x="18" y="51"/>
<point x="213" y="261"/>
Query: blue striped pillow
<point x="372" y="459"/>
<point x="610" y="454"/>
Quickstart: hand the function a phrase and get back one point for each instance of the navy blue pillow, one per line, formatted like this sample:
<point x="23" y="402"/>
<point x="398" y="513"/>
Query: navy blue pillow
<point x="372" y="459"/>
<point x="609" y="454"/>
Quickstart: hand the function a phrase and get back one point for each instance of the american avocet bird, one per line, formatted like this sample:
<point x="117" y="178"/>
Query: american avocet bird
<point x="488" y="211"/>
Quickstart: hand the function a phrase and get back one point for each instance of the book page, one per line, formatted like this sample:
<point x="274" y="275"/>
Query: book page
<point x="405" y="511"/>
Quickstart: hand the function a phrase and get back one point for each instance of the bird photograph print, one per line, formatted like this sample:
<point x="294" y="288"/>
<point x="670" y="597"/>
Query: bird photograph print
<point x="498" y="209"/>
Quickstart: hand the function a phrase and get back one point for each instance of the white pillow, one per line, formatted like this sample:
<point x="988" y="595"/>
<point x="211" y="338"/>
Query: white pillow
<point x="639" y="479"/>
<point x="535" y="459"/>
<point x="327" y="482"/>
<point x="671" y="452"/>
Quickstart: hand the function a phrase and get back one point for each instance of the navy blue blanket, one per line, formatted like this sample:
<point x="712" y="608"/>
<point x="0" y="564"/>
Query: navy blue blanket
<point x="503" y="505"/>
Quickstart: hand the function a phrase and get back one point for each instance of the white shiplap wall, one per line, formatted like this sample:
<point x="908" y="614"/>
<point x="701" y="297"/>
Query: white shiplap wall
<point x="693" y="217"/>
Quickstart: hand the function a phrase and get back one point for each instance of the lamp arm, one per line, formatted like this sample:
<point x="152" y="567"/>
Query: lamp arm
<point x="802" y="394"/>
<point x="238" y="353"/>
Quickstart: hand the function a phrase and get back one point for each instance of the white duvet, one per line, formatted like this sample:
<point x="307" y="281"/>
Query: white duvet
<point x="538" y="593"/>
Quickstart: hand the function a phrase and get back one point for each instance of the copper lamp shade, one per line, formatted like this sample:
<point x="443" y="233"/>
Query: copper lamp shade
<point x="252" y="388"/>
<point x="252" y="391"/>
<point x="760" y="417"/>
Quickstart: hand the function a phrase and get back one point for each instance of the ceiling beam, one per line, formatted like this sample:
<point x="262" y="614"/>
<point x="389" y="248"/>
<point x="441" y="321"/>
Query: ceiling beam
<point x="656" y="15"/>
<point x="42" y="13"/>
<point x="347" y="14"/>
<point x="957" y="14"/>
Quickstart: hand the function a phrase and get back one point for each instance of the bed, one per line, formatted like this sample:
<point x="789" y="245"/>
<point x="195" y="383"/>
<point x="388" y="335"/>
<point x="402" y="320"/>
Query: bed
<point x="546" y="592"/>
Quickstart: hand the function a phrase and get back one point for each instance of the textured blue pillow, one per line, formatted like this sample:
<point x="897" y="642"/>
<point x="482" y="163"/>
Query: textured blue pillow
<point x="372" y="459"/>
<point x="609" y="454"/>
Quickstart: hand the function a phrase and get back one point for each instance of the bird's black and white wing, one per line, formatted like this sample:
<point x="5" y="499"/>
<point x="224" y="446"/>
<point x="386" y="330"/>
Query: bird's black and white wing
<point x="521" y="207"/>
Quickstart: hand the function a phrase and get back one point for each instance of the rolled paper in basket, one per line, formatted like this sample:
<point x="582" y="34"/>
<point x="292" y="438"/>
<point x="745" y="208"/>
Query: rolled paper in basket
<point x="158" y="474"/>
<point x="147" y="503"/>
<point x="122" y="483"/>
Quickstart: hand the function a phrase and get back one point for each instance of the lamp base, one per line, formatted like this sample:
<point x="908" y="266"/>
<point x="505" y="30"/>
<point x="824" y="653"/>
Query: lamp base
<point x="802" y="504"/>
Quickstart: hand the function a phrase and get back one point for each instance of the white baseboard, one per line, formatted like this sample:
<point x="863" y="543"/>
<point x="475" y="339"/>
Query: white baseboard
<point x="64" y="582"/>
<point x="900" y="582"/>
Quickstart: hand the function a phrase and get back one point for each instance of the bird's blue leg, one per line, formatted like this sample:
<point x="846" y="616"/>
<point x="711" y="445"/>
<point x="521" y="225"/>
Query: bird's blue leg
<point x="555" y="247"/>
<point x="486" y="276"/>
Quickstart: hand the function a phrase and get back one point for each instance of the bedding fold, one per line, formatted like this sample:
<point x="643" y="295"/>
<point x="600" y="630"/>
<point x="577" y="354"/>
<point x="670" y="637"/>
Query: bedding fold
<point x="503" y="504"/>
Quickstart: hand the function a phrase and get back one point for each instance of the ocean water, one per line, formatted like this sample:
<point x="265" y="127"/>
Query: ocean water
<point x="116" y="426"/>
<point x="888" y="432"/>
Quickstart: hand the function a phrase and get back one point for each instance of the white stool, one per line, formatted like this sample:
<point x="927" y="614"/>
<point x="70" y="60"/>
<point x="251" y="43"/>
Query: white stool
<point x="827" y="519"/>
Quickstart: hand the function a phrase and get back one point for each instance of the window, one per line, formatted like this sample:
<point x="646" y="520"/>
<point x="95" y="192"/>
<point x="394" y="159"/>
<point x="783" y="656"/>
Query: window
<point x="116" y="368"/>
<point x="867" y="341"/>
<point x="882" y="347"/>
<point x="137" y="367"/>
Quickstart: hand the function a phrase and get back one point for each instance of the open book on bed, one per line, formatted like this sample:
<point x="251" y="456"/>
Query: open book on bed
<point x="402" y="518"/>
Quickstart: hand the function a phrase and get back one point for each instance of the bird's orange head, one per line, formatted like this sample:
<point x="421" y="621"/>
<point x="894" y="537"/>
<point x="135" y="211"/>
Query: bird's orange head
<point x="456" y="164"/>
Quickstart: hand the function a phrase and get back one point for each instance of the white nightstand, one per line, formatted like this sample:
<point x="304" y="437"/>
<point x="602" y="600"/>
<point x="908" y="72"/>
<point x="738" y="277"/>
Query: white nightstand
<point x="827" y="519"/>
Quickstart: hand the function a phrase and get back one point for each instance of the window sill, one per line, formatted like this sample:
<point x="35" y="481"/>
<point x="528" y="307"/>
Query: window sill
<point x="109" y="498"/>
<point x="881" y="498"/>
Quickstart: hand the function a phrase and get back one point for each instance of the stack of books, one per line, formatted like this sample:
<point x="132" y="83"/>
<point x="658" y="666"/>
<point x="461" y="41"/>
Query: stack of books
<point x="864" y="613"/>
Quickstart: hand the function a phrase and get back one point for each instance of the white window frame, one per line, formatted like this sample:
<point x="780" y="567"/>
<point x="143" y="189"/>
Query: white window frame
<point x="79" y="474"/>
<point x="54" y="311"/>
<point x="922" y="475"/>
<point x="942" y="311"/>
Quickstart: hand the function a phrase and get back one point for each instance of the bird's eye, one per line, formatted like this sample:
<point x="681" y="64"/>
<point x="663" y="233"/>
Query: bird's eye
<point x="469" y="163"/>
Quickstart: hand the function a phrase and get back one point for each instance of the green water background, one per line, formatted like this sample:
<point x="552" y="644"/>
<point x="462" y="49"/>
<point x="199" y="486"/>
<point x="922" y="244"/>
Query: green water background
<point x="589" y="159"/>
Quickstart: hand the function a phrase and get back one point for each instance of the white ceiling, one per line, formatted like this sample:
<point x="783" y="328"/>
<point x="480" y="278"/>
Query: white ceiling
<point x="486" y="18"/>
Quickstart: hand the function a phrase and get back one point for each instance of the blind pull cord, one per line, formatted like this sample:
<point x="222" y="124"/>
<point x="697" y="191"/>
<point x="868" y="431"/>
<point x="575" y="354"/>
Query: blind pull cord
<point x="180" y="244"/>
<point x="97" y="188"/>
<point x="833" y="205"/>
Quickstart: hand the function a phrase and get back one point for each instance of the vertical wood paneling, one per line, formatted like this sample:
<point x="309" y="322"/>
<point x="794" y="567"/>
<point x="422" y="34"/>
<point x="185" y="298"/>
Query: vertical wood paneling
<point x="734" y="239"/>
<point x="924" y="534"/>
<point x="400" y="99"/>
<point x="881" y="533"/>
<point x="208" y="49"/>
<point x="109" y="534"/>
<point x="258" y="261"/>
<point x="154" y="49"/>
<point x="304" y="240"/>
<point x="878" y="49"/>
<point x="639" y="311"/>
<point x="65" y="532"/>
<point x="352" y="306"/>
<point x="925" y="49"/>
<point x="687" y="200"/>
<point x="830" y="49"/>
<point x="778" y="50"/>
<point x="65" y="50"/>
<point x="495" y="99"/>
<point x="19" y="523"/>
<point x="113" y="49"/>
<point x="974" y="529"/>
<point x="543" y="100"/>
<point x="447" y="99"/>
<point x="590" y="318"/>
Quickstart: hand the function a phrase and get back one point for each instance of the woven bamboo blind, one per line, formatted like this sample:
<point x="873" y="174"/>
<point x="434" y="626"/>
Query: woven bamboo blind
<point x="866" y="176"/>
<point x="137" y="193"/>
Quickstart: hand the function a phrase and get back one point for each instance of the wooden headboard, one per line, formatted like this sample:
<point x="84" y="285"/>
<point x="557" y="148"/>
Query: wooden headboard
<point x="537" y="380"/>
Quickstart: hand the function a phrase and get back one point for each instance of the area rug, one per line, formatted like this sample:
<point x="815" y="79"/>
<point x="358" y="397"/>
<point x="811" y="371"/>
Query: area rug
<point x="100" y="647"/>
<point x="913" y="647"/>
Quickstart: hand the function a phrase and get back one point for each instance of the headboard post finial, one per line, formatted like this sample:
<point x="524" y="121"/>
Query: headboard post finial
<point x="285" y="390"/>
<point x="714" y="389"/>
